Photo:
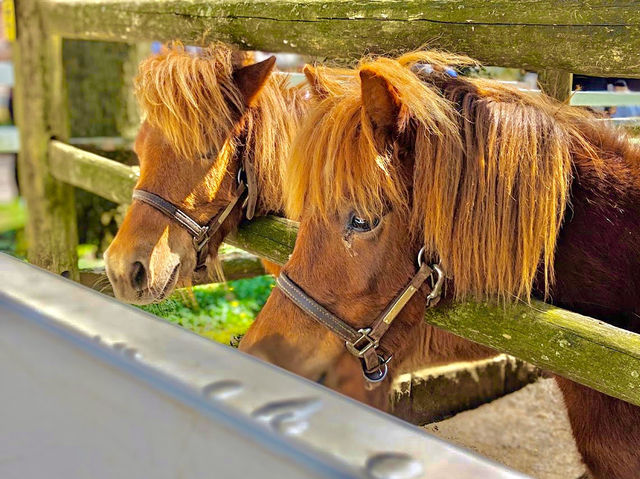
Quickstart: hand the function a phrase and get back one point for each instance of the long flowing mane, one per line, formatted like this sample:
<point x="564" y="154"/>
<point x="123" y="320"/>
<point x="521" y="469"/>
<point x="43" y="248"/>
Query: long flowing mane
<point x="192" y="99"/>
<point x="492" y="173"/>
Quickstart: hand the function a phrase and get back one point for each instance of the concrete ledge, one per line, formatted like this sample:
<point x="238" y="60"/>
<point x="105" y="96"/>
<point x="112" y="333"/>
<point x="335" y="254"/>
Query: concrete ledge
<point x="436" y="393"/>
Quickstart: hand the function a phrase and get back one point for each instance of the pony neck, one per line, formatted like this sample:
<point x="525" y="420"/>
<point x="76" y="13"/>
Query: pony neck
<point x="597" y="262"/>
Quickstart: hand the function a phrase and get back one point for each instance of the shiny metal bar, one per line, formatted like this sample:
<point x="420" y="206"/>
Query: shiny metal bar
<point x="94" y="388"/>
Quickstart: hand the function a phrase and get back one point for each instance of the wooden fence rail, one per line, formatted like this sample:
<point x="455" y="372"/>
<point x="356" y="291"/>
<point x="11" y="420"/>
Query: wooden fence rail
<point x="581" y="348"/>
<point x="597" y="37"/>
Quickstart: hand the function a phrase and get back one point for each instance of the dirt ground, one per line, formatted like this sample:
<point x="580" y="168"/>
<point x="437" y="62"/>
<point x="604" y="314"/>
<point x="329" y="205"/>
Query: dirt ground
<point x="527" y="430"/>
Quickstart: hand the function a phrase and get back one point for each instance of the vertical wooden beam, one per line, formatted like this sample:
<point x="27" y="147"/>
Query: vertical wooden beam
<point x="128" y="121"/>
<point x="556" y="83"/>
<point x="42" y="115"/>
<point x="100" y="74"/>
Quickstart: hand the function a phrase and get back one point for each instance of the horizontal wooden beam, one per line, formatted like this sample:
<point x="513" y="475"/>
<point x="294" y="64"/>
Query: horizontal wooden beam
<point x="235" y="265"/>
<point x="583" y="349"/>
<point x="575" y="346"/>
<point x="109" y="179"/>
<point x="269" y="237"/>
<point x="569" y="344"/>
<point x="599" y="37"/>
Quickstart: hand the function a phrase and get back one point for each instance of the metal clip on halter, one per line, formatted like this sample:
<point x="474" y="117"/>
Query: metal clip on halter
<point x="363" y="343"/>
<point x="354" y="347"/>
<point x="438" y="278"/>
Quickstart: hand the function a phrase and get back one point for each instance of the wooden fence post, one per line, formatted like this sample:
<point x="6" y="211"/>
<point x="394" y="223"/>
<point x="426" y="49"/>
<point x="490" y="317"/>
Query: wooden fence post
<point x="100" y="75"/>
<point x="556" y="83"/>
<point x="42" y="114"/>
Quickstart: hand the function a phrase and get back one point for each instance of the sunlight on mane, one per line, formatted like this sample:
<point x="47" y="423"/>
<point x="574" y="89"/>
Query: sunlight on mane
<point x="492" y="168"/>
<point x="192" y="99"/>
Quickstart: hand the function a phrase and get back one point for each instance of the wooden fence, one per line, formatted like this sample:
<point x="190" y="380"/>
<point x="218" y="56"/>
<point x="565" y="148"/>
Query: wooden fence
<point x="599" y="37"/>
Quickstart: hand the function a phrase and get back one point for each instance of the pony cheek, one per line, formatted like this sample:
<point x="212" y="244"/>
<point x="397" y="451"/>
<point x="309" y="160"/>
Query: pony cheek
<point x="283" y="335"/>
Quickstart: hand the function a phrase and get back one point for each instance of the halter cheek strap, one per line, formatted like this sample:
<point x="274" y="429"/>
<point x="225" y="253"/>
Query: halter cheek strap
<point x="201" y="234"/>
<point x="364" y="343"/>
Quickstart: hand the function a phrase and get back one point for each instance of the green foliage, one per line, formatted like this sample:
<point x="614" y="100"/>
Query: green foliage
<point x="12" y="220"/>
<point x="12" y="216"/>
<point x="216" y="311"/>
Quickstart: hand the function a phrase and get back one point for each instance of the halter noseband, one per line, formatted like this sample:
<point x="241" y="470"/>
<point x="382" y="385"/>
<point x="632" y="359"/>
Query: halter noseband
<point x="201" y="234"/>
<point x="363" y="343"/>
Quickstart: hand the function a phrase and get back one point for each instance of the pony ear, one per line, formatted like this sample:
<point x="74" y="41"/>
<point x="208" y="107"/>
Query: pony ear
<point x="317" y="90"/>
<point x="252" y="78"/>
<point x="381" y="102"/>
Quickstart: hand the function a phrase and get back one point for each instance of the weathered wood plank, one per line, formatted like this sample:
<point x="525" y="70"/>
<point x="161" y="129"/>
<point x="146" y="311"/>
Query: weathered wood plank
<point x="94" y="173"/>
<point x="581" y="348"/>
<point x="41" y="114"/>
<point x="236" y="265"/>
<point x="438" y="392"/>
<point x="269" y="237"/>
<point x="100" y="76"/>
<point x="272" y="238"/>
<point x="569" y="344"/>
<point x="595" y="37"/>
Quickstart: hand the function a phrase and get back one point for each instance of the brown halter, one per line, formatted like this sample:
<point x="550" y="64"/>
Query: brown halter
<point x="364" y="343"/>
<point x="201" y="234"/>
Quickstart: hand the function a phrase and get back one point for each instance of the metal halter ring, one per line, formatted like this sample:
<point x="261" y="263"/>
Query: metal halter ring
<point x="438" y="275"/>
<point x="379" y="374"/>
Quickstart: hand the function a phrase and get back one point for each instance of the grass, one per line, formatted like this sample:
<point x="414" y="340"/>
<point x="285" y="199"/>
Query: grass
<point x="12" y="216"/>
<point x="12" y="220"/>
<point x="217" y="311"/>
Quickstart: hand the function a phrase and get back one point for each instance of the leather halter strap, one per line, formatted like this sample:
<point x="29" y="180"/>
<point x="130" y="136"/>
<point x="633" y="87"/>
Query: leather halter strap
<point x="201" y="234"/>
<point x="364" y="343"/>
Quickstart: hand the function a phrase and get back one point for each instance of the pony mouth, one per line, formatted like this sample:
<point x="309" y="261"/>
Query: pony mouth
<point x="171" y="282"/>
<point x="166" y="289"/>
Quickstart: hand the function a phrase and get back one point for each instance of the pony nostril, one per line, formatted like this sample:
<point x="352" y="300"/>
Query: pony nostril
<point x="138" y="275"/>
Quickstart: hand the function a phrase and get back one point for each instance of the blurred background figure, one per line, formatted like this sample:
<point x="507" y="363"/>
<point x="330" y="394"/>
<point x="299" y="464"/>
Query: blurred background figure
<point x="8" y="137"/>
<point x="623" y="111"/>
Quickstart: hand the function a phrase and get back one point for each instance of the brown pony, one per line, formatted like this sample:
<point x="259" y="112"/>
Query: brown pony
<point x="206" y="115"/>
<point x="513" y="194"/>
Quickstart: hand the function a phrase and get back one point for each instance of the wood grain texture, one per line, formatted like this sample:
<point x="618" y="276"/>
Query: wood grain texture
<point x="581" y="348"/>
<point x="588" y="37"/>
<point x="41" y="115"/>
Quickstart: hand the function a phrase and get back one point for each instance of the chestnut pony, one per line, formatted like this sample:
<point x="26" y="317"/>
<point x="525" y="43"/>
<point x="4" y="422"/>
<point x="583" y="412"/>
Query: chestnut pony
<point x="514" y="195"/>
<point x="207" y="116"/>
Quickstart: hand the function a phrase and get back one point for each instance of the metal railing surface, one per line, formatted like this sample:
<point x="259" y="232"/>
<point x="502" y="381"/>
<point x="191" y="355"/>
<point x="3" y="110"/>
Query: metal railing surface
<point x="95" y="388"/>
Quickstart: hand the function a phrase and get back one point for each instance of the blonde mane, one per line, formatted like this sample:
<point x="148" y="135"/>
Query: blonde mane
<point x="192" y="99"/>
<point x="492" y="169"/>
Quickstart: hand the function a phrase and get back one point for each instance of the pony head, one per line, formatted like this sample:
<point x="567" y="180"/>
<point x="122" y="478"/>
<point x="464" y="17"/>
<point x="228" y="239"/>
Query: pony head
<point x="402" y="158"/>
<point x="206" y="114"/>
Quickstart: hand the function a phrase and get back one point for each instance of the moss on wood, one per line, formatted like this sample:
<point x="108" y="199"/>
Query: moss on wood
<point x="578" y="347"/>
<point x="235" y="265"/>
<point x="597" y="37"/>
<point x="95" y="75"/>
<point x="92" y="172"/>
<point x="51" y="227"/>
<point x="556" y="83"/>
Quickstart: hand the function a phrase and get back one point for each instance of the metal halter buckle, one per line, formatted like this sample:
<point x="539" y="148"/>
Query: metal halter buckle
<point x="353" y="348"/>
<point x="202" y="239"/>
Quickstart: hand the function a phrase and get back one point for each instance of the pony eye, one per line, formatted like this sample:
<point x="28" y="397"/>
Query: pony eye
<point x="362" y="225"/>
